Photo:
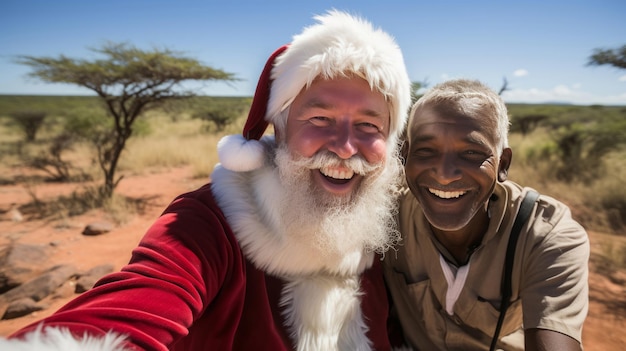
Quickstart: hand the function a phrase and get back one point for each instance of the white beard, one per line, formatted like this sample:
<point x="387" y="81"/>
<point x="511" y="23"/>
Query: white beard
<point x="285" y="228"/>
<point x="363" y="220"/>
<point x="319" y="246"/>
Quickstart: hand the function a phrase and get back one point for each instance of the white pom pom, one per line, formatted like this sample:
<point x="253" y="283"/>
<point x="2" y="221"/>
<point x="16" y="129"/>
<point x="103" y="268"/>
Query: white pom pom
<point x="238" y="154"/>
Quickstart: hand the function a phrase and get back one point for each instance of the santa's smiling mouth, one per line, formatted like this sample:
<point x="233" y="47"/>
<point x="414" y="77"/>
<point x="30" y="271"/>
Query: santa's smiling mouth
<point x="446" y="194"/>
<point x="336" y="176"/>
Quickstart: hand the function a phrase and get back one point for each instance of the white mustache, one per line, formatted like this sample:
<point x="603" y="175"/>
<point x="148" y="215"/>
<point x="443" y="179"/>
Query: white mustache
<point x="326" y="159"/>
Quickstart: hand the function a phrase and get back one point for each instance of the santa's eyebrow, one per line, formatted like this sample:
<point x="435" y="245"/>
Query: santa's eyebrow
<point x="314" y="103"/>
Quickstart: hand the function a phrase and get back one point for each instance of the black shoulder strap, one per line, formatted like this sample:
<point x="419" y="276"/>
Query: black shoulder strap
<point x="522" y="216"/>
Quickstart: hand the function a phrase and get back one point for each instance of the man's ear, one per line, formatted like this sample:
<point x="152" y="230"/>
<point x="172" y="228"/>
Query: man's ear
<point x="505" y="163"/>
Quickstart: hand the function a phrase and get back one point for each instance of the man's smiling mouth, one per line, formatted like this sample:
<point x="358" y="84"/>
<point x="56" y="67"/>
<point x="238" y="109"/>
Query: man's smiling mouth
<point x="446" y="194"/>
<point x="337" y="174"/>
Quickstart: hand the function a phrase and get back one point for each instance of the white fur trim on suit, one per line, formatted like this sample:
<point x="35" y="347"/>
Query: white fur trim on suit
<point x="324" y="313"/>
<point x="58" y="339"/>
<point x="321" y="301"/>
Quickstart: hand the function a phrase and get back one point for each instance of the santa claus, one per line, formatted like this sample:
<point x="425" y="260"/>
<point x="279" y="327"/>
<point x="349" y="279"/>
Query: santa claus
<point x="281" y="250"/>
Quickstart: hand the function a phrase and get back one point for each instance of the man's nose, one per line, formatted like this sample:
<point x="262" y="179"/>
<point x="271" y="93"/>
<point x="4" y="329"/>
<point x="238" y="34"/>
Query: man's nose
<point x="446" y="170"/>
<point x="343" y="143"/>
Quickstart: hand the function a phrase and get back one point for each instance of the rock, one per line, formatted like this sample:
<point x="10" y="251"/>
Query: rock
<point x="21" y="307"/>
<point x="66" y="290"/>
<point x="97" y="228"/>
<point x="14" y="213"/>
<point x="20" y="263"/>
<point x="618" y="277"/>
<point x="41" y="286"/>
<point x="89" y="279"/>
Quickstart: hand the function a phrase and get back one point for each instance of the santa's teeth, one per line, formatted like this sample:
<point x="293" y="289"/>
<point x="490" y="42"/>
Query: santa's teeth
<point x="337" y="174"/>
<point x="446" y="194"/>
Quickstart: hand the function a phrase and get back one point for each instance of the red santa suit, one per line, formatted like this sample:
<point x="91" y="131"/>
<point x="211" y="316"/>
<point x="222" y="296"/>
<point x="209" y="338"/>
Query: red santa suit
<point x="218" y="270"/>
<point x="189" y="286"/>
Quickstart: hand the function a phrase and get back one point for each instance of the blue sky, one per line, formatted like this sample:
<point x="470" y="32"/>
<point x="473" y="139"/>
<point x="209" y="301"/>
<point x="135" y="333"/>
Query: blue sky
<point x="541" y="47"/>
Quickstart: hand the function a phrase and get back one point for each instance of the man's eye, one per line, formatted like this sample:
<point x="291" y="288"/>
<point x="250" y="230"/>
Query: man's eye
<point x="474" y="155"/>
<point x="423" y="152"/>
<point x="369" y="127"/>
<point x="319" y="121"/>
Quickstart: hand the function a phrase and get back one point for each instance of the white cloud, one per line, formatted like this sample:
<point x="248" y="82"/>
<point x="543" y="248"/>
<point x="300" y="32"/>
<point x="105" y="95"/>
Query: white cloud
<point x="562" y="94"/>
<point x="622" y="78"/>
<point x="520" y="72"/>
<point x="562" y="90"/>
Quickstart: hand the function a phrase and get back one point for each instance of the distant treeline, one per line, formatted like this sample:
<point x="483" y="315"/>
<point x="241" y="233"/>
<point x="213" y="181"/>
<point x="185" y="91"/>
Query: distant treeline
<point x="576" y="153"/>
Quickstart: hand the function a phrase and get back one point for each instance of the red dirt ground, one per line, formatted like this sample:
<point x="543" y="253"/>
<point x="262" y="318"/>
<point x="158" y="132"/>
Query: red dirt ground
<point x="604" y="327"/>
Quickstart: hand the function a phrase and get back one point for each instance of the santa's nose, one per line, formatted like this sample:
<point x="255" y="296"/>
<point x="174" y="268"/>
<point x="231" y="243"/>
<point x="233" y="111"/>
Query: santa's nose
<point x="343" y="144"/>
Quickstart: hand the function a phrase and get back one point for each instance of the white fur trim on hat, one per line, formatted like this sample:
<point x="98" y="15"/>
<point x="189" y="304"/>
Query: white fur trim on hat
<point x="338" y="45"/>
<point x="341" y="44"/>
<point x="238" y="154"/>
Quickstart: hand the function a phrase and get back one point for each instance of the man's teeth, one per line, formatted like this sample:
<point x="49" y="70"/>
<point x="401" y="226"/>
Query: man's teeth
<point x="446" y="194"/>
<point x="337" y="174"/>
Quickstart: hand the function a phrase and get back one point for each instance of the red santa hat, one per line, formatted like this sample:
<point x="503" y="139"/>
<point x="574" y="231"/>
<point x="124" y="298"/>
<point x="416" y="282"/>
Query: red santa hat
<point x="337" y="45"/>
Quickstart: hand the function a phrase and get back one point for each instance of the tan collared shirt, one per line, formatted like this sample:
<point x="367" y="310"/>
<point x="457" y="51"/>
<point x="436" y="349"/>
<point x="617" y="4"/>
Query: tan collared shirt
<point x="550" y="288"/>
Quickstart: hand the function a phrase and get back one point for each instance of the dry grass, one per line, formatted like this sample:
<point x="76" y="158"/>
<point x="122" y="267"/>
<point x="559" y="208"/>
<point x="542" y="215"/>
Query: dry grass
<point x="588" y="201"/>
<point x="168" y="143"/>
<point x="609" y="252"/>
<point x="173" y="141"/>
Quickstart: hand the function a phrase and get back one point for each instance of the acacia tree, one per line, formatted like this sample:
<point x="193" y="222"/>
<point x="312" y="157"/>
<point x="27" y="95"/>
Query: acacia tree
<point x="130" y="81"/>
<point x="29" y="121"/>
<point x="613" y="57"/>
